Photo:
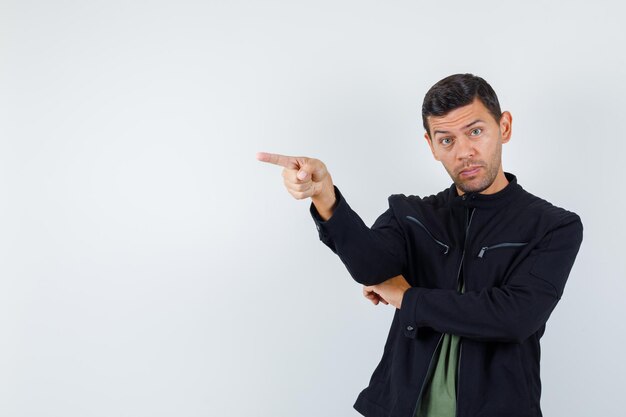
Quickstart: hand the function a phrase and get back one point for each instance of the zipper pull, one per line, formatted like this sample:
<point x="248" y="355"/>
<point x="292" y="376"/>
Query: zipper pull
<point x="482" y="251"/>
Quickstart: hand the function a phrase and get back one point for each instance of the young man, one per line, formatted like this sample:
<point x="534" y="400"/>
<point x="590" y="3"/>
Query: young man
<point x="473" y="271"/>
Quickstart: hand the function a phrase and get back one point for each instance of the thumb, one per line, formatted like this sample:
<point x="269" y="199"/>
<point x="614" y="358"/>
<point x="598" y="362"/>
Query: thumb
<point x="302" y="175"/>
<point x="313" y="169"/>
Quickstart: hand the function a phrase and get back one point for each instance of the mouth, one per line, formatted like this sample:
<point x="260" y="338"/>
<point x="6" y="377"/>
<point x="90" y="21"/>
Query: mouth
<point x="469" y="172"/>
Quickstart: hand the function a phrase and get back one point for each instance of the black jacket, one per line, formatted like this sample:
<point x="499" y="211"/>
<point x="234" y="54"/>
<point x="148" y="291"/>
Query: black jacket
<point x="514" y="251"/>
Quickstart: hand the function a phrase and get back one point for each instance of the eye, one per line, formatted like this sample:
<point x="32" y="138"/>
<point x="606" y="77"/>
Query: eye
<point x="445" y="141"/>
<point x="476" y="132"/>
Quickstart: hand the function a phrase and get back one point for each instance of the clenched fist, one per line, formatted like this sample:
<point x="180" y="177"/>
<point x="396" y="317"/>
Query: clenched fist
<point x="388" y="292"/>
<point x="305" y="177"/>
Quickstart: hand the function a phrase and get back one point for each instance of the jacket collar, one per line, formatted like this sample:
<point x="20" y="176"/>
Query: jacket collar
<point x="470" y="200"/>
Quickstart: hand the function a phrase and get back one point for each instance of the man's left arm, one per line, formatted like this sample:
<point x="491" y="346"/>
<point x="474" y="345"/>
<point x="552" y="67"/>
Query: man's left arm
<point x="509" y="313"/>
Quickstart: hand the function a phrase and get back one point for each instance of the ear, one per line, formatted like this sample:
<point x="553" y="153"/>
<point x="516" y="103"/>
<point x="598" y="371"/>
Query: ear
<point x="430" y="144"/>
<point x="506" y="126"/>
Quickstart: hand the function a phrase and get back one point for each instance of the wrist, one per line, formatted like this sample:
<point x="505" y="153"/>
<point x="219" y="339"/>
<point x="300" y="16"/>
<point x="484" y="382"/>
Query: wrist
<point x="325" y="200"/>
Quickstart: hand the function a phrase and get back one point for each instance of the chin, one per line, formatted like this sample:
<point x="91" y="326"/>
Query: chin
<point x="473" y="186"/>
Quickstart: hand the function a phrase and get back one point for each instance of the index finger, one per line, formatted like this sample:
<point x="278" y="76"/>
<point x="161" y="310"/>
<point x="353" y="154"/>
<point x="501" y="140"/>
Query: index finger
<point x="277" y="159"/>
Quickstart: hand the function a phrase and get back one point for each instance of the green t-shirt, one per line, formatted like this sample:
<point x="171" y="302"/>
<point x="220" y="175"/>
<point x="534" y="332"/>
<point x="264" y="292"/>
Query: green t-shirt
<point x="439" y="398"/>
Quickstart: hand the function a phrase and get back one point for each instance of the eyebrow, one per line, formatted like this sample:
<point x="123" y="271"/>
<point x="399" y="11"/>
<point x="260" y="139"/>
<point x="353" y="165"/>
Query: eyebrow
<point x="464" y="127"/>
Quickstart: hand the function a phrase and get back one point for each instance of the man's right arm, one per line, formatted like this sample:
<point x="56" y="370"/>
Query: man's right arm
<point x="371" y="255"/>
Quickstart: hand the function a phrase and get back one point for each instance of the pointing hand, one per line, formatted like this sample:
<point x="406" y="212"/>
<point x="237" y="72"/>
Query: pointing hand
<point x="305" y="177"/>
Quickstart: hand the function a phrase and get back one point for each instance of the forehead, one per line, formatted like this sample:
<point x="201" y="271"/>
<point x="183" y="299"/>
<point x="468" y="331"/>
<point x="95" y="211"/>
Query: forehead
<point x="460" y="117"/>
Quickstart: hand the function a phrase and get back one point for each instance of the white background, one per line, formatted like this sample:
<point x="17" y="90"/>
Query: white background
<point x="150" y="266"/>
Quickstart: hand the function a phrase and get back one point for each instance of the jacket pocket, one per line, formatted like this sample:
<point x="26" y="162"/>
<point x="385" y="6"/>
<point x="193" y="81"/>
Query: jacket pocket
<point x="444" y="247"/>
<point x="484" y="249"/>
<point x="492" y="264"/>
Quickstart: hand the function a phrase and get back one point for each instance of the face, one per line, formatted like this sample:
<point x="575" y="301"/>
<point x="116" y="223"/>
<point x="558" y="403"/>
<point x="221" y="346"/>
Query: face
<point x="468" y="142"/>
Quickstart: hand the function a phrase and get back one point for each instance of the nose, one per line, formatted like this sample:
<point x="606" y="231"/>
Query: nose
<point x="465" y="148"/>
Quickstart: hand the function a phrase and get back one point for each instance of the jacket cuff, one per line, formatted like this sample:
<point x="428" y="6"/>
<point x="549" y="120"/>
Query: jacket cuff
<point x="408" y="316"/>
<point x="337" y="221"/>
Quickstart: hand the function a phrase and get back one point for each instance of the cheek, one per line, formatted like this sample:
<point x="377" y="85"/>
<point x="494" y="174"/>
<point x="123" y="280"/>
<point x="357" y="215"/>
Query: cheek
<point x="494" y="154"/>
<point x="488" y="148"/>
<point x="436" y="154"/>
<point x="448" y="165"/>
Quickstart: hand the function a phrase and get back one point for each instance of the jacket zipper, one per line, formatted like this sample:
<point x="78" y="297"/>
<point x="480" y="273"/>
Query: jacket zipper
<point x="430" y="364"/>
<point x="458" y="279"/>
<point x="440" y="243"/>
<point x="469" y="222"/>
<point x="499" y="245"/>
<point x="428" y="375"/>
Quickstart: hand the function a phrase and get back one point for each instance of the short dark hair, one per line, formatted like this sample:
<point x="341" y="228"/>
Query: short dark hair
<point x="455" y="91"/>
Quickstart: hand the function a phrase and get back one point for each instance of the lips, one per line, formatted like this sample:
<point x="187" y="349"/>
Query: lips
<point x="468" y="172"/>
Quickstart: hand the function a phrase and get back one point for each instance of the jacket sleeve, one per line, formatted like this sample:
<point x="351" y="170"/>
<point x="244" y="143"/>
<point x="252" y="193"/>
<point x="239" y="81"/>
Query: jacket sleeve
<point x="509" y="313"/>
<point x="371" y="255"/>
